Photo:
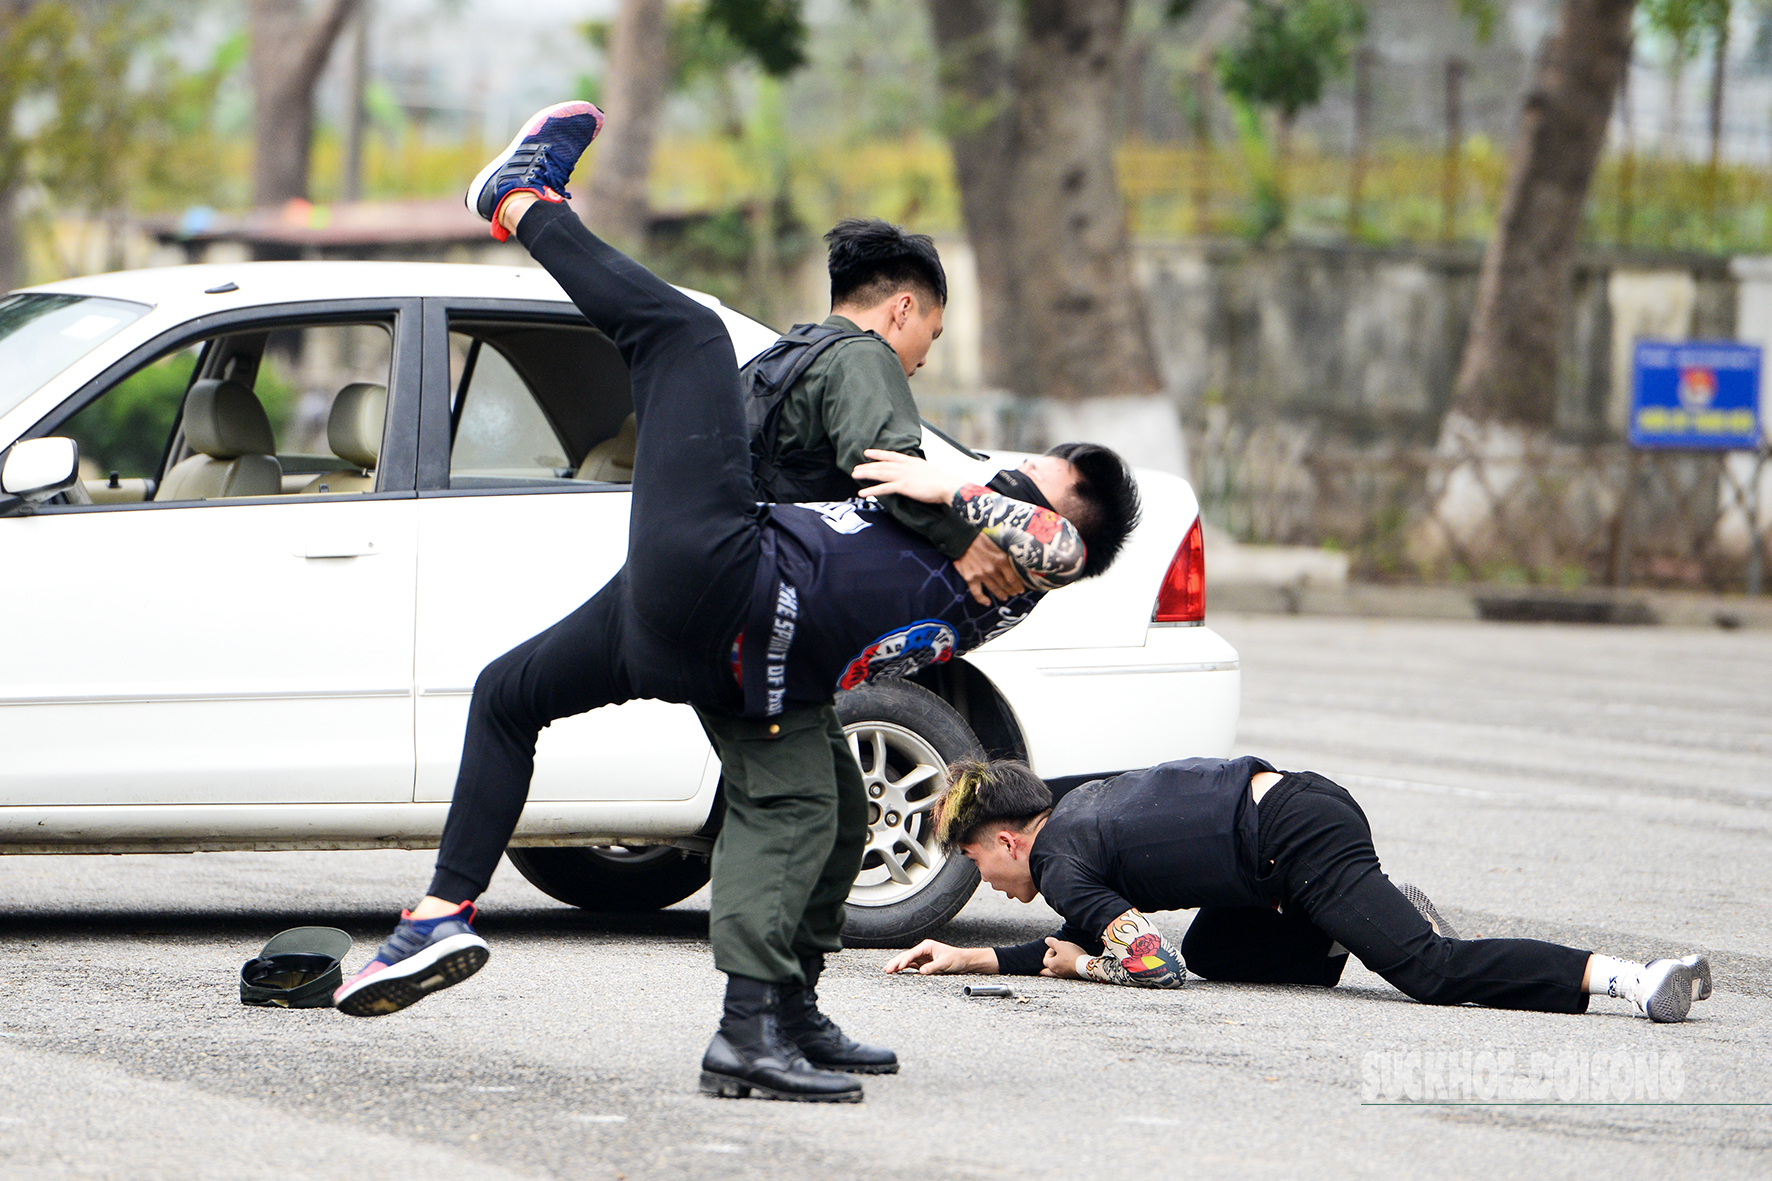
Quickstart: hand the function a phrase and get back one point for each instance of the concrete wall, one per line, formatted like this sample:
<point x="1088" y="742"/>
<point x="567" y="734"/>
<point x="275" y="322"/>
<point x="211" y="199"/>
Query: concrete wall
<point x="1366" y="341"/>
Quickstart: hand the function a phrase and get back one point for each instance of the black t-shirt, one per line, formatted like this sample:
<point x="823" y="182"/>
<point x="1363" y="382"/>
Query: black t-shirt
<point x="1171" y="837"/>
<point x="846" y="594"/>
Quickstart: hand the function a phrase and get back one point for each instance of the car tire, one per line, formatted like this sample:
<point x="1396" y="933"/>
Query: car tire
<point x="613" y="878"/>
<point x="904" y="737"/>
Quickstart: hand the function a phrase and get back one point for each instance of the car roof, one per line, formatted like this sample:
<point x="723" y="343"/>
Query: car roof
<point x="281" y="282"/>
<point x="185" y="292"/>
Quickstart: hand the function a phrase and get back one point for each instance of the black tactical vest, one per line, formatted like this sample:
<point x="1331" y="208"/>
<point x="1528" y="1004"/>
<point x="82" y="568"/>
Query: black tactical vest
<point x="806" y="473"/>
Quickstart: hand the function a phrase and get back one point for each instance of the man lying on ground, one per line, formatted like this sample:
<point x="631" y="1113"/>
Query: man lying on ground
<point x="752" y="613"/>
<point x="1282" y="869"/>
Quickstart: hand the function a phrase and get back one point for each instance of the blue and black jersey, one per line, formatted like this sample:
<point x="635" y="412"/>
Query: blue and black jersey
<point x="836" y="587"/>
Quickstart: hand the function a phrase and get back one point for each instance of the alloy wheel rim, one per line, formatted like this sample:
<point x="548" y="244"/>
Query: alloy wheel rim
<point x="903" y="776"/>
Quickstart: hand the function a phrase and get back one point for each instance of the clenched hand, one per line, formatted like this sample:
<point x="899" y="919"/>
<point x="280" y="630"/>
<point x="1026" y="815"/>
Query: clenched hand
<point x="989" y="571"/>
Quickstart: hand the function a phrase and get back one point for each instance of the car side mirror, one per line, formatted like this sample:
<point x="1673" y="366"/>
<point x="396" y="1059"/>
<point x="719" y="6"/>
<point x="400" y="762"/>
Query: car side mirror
<point x="39" y="468"/>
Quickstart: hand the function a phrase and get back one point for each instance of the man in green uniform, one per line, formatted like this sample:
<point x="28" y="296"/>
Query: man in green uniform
<point x="788" y="778"/>
<point x="887" y="289"/>
<point x="756" y="611"/>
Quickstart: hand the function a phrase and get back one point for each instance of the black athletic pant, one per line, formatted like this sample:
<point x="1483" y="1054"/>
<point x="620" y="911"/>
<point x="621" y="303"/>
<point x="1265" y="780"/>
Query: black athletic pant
<point x="663" y="626"/>
<point x="1316" y="855"/>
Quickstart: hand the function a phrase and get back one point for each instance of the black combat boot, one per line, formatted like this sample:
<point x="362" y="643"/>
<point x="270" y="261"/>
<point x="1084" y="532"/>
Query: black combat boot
<point x="749" y="1054"/>
<point x="826" y="1046"/>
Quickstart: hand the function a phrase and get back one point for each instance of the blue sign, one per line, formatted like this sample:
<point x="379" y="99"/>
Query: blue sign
<point x="1696" y="395"/>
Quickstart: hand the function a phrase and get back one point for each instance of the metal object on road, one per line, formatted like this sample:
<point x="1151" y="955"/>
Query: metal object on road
<point x="988" y="990"/>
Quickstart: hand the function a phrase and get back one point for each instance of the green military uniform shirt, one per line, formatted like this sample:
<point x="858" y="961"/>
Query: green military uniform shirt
<point x="856" y="396"/>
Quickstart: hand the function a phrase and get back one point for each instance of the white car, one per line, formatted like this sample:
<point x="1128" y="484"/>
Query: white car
<point x="263" y="524"/>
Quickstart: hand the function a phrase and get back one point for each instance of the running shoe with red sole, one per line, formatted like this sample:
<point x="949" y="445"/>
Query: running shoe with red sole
<point x="539" y="160"/>
<point x="422" y="956"/>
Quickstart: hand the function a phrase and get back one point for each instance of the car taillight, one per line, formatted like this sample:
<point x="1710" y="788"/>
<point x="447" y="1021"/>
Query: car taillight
<point x="1182" y="597"/>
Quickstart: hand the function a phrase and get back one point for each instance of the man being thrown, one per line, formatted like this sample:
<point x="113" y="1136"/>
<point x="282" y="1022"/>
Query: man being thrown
<point x="752" y="613"/>
<point x="1282" y="869"/>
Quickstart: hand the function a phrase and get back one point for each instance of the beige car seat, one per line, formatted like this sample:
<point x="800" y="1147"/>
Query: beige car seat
<point x="612" y="459"/>
<point x="225" y="424"/>
<point x="353" y="431"/>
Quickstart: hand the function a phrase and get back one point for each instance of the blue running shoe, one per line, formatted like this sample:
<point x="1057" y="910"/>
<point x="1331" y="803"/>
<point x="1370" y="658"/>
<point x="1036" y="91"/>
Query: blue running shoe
<point x="540" y="160"/>
<point x="422" y="956"/>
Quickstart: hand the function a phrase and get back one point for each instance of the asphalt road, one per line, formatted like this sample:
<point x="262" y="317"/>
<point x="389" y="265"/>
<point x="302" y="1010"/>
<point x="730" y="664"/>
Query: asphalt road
<point x="1606" y="787"/>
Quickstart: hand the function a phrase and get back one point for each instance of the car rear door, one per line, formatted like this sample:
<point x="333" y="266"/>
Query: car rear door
<point x="524" y="405"/>
<point x="256" y="649"/>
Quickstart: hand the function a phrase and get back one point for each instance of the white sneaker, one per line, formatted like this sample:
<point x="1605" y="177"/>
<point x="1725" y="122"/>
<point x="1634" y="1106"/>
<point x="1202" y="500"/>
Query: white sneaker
<point x="1699" y="963"/>
<point x="1663" y="991"/>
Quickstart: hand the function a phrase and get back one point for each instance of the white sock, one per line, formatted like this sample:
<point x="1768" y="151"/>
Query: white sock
<point x="1607" y="976"/>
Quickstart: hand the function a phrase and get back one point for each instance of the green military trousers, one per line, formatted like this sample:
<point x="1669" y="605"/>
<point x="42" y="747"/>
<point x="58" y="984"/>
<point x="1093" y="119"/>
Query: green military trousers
<point x="791" y="844"/>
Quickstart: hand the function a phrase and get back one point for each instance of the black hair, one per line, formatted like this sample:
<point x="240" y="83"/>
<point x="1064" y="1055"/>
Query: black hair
<point x="872" y="260"/>
<point x="980" y="795"/>
<point x="1107" y="508"/>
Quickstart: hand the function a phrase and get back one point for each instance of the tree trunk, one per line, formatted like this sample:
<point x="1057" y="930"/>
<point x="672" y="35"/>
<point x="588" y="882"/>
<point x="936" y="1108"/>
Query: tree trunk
<point x="1672" y="139"/>
<point x="12" y="262"/>
<point x="1496" y="493"/>
<point x="634" y="86"/>
<point x="1719" y="74"/>
<point x="1362" y="153"/>
<point x="1510" y="361"/>
<point x="356" y="104"/>
<point x="289" y="51"/>
<point x="975" y="88"/>
<point x="1074" y="254"/>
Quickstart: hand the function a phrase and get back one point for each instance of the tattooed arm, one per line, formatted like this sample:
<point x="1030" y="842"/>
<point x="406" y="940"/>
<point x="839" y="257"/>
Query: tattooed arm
<point x="1134" y="952"/>
<point x="1044" y="546"/>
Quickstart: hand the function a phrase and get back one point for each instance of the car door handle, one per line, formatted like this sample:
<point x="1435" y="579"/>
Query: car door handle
<point x="338" y="548"/>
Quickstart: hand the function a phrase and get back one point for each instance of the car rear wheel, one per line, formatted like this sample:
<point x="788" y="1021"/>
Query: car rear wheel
<point x="904" y="737"/>
<point x="613" y="878"/>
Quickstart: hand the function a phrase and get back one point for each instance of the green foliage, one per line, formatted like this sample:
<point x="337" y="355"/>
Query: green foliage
<point x="1265" y="213"/>
<point x="1288" y="51"/>
<point x="1684" y="23"/>
<point x="34" y="60"/>
<point x="707" y="41"/>
<point x="123" y="121"/>
<point x="719" y="252"/>
<point x="1483" y="14"/>
<point x="126" y="430"/>
<point x="701" y="47"/>
<point x="772" y="31"/>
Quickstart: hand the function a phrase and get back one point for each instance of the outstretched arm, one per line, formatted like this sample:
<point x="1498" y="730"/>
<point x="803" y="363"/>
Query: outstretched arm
<point x="930" y="958"/>
<point x="1045" y="547"/>
<point x="1134" y="952"/>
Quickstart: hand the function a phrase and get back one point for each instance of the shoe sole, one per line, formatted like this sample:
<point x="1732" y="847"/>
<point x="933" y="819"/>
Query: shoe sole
<point x="1700" y="966"/>
<point x="1672" y="998"/>
<point x="472" y="197"/>
<point x="1425" y="905"/>
<point x="404" y="984"/>
<point x="841" y="1069"/>
<point x="724" y="1087"/>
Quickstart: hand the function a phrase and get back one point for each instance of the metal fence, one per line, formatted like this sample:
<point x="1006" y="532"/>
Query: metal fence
<point x="1551" y="513"/>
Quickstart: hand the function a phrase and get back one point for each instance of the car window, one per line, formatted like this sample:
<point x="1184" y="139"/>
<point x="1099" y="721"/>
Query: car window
<point x="126" y="431"/>
<point x="135" y="448"/>
<point x="542" y="401"/>
<point x="300" y="376"/>
<point x="41" y="335"/>
<point x="500" y="429"/>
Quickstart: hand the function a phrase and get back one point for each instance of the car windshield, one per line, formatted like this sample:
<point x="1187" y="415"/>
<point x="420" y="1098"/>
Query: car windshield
<point x="41" y="335"/>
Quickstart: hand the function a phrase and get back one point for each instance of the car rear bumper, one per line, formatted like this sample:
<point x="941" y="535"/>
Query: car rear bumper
<point x="1094" y="711"/>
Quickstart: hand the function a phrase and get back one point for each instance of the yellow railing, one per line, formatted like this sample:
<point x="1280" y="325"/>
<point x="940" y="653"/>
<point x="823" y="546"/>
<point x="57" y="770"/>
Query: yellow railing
<point x="1170" y="190"/>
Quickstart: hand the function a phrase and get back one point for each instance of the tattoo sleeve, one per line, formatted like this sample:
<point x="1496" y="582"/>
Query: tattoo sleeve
<point x="1044" y="546"/>
<point x="1137" y="953"/>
